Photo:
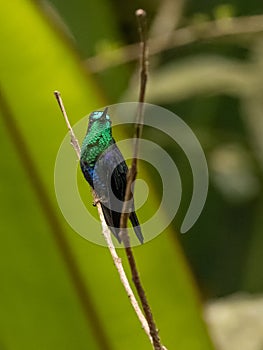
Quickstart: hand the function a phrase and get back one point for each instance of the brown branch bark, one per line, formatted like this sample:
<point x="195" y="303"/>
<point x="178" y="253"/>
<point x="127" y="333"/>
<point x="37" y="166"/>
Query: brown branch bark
<point x="131" y="176"/>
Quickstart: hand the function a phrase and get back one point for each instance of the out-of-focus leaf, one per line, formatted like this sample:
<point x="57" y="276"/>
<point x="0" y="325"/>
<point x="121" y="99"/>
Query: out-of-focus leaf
<point x="196" y="76"/>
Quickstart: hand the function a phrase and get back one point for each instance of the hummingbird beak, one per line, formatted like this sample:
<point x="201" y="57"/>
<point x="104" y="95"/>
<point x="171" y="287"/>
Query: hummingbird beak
<point x="104" y="114"/>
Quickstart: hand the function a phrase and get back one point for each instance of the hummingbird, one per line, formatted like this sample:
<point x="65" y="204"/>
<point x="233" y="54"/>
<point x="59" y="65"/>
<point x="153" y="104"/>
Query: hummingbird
<point x="105" y="169"/>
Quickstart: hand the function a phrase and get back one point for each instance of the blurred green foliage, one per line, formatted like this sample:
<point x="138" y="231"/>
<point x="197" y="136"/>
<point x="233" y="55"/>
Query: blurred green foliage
<point x="214" y="85"/>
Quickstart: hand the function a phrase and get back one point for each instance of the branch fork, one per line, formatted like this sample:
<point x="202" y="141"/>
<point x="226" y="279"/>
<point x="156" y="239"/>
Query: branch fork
<point x="146" y="321"/>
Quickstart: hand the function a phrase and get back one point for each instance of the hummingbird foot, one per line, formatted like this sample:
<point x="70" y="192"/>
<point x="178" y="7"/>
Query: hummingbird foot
<point x="95" y="202"/>
<point x="98" y="200"/>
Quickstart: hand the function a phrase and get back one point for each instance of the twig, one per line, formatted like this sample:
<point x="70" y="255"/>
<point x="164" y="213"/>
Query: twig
<point x="106" y="233"/>
<point x="226" y="27"/>
<point x="131" y="176"/>
<point x="139" y="124"/>
<point x="73" y="139"/>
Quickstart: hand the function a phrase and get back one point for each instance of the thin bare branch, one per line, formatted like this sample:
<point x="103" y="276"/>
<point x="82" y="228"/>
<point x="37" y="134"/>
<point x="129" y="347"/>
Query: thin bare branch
<point x="106" y="232"/>
<point x="141" y="16"/>
<point x="131" y="176"/>
<point x="73" y="139"/>
<point x="149" y="326"/>
<point x="226" y="27"/>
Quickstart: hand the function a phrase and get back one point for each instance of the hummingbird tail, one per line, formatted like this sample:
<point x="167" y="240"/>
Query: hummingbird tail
<point x="136" y="226"/>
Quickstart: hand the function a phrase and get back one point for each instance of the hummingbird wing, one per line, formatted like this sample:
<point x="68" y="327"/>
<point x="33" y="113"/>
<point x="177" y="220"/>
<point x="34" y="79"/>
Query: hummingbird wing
<point x="112" y="171"/>
<point x="110" y="184"/>
<point x="118" y="184"/>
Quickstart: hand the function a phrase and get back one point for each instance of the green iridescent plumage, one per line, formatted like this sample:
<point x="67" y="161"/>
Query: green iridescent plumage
<point x="105" y="170"/>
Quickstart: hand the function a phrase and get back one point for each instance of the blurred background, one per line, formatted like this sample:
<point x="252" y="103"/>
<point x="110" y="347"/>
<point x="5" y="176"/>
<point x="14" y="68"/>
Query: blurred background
<point x="59" y="291"/>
